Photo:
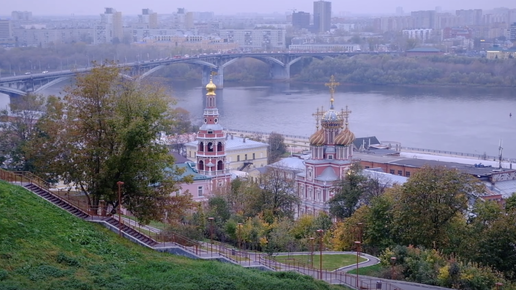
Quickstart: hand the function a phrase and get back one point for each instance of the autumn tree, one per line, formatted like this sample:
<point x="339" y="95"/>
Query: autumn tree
<point x="347" y="193"/>
<point x="17" y="126"/>
<point x="275" y="196"/>
<point x="428" y="202"/>
<point x="106" y="130"/>
<point x="277" y="147"/>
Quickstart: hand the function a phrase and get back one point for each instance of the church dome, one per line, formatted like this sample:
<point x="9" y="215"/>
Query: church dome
<point x="331" y="119"/>
<point x="317" y="139"/>
<point x="345" y="137"/>
<point x="211" y="87"/>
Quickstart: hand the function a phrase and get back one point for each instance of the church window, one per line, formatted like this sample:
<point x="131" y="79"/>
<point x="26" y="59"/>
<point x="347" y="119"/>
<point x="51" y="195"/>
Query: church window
<point x="199" y="191"/>
<point x="219" y="147"/>
<point x="254" y="157"/>
<point x="330" y="157"/>
<point x="238" y="157"/>
<point x="391" y="171"/>
<point x="201" y="146"/>
<point x="245" y="157"/>
<point x="201" y="165"/>
<point x="400" y="172"/>
<point x="220" y="165"/>
<point x="407" y="174"/>
<point x="210" y="147"/>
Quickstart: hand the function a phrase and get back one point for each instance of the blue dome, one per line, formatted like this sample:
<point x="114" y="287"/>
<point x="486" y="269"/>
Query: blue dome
<point x="331" y="120"/>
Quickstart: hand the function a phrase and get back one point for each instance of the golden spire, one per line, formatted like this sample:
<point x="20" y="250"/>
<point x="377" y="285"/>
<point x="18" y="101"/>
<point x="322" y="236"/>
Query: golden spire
<point x="211" y="87"/>
<point x="345" y="115"/>
<point x="332" y="85"/>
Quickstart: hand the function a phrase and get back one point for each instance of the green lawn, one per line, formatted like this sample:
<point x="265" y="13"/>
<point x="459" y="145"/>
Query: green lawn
<point x="330" y="262"/>
<point x="44" y="247"/>
<point x="373" y="271"/>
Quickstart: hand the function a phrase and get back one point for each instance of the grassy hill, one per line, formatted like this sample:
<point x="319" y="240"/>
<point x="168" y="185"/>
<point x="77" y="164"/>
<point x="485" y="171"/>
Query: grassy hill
<point x="43" y="247"/>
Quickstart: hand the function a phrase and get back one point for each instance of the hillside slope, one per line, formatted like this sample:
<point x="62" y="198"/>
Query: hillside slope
<point x="43" y="247"/>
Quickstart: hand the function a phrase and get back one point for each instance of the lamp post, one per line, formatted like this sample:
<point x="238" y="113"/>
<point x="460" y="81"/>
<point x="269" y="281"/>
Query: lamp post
<point x="320" y="233"/>
<point x="393" y="262"/>
<point x="312" y="252"/>
<point x="211" y="234"/>
<point x="357" y="244"/>
<point x="498" y="285"/>
<point x="239" y="233"/>
<point x="120" y="183"/>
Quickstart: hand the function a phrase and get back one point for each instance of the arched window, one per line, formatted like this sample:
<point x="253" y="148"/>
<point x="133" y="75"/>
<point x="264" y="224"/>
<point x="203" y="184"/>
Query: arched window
<point x="201" y="146"/>
<point x="219" y="146"/>
<point x="220" y="165"/>
<point x="210" y="147"/>
<point x="201" y="165"/>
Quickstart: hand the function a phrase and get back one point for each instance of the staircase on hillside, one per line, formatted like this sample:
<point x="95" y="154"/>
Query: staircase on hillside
<point x="63" y="204"/>
<point x="132" y="232"/>
<point x="47" y="195"/>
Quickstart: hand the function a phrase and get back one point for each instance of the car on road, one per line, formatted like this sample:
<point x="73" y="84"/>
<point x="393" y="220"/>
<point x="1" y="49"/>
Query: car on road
<point x="44" y="72"/>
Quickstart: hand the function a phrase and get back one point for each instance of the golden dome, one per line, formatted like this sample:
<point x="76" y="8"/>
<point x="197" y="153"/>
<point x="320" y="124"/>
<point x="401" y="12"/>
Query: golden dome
<point x="345" y="137"/>
<point x="317" y="139"/>
<point x="211" y="87"/>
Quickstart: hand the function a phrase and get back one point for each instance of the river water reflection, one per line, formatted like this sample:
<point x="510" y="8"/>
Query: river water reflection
<point x="471" y="120"/>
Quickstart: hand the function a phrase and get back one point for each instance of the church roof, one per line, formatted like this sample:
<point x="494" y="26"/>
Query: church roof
<point x="190" y="170"/>
<point x="328" y="174"/>
<point x="290" y="163"/>
<point x="237" y="143"/>
<point x="365" y="141"/>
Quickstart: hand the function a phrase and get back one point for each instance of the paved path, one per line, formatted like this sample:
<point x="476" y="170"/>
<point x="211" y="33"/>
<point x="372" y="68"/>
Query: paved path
<point x="252" y="260"/>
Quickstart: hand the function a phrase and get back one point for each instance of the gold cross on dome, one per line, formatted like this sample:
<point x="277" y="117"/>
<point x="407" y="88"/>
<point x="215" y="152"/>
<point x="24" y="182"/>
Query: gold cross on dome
<point x="345" y="115"/>
<point x="332" y="85"/>
<point x="318" y="114"/>
<point x="212" y="74"/>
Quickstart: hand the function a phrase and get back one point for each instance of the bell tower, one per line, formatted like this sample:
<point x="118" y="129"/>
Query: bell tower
<point x="211" y="142"/>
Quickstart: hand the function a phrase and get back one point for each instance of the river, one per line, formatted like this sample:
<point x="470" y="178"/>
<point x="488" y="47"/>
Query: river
<point x="470" y="120"/>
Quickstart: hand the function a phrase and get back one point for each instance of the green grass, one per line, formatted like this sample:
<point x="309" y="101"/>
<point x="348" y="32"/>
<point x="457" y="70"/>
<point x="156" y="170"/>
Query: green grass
<point x="373" y="271"/>
<point x="330" y="262"/>
<point x="43" y="247"/>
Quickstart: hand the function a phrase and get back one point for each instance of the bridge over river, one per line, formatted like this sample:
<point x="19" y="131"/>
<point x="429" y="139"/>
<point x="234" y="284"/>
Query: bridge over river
<point x="279" y="64"/>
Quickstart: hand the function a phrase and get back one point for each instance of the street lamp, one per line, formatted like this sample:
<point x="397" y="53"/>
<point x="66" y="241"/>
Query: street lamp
<point x="320" y="233"/>
<point x="211" y="234"/>
<point x="239" y="229"/>
<point x="357" y="243"/>
<point x="120" y="183"/>
<point x="393" y="262"/>
<point x="312" y="252"/>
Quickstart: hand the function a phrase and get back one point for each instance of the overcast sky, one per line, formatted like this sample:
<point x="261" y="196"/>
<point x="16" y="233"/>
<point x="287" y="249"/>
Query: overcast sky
<point x="130" y="7"/>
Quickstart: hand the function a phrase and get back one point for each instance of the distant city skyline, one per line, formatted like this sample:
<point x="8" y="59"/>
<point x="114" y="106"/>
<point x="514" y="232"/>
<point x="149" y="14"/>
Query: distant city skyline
<point x="225" y="7"/>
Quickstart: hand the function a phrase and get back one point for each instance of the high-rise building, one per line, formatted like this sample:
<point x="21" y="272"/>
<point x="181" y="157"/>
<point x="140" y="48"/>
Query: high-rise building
<point x="322" y="16"/>
<point x="211" y="143"/>
<point x="424" y="19"/>
<point x="301" y="20"/>
<point x="5" y="28"/>
<point x="110" y="27"/>
<point x="469" y="17"/>
<point x="512" y="32"/>
<point x="21" y="15"/>
<point x="148" y="19"/>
